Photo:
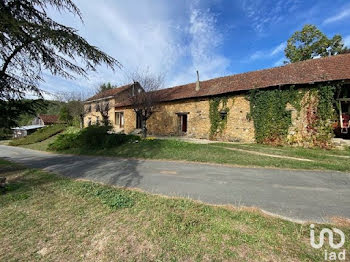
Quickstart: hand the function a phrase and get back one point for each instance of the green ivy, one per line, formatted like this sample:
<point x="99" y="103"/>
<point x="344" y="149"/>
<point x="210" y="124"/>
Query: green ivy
<point x="217" y="124"/>
<point x="272" y="119"/>
<point x="319" y="126"/>
<point x="268" y="110"/>
<point x="325" y="102"/>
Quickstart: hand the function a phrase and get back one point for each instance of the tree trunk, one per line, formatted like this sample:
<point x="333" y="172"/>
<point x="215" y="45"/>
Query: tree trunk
<point x="144" y="127"/>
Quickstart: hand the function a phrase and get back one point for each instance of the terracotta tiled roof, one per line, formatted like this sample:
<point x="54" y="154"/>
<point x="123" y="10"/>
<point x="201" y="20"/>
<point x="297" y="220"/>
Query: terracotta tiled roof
<point x="49" y="119"/>
<point x="309" y="71"/>
<point x="110" y="92"/>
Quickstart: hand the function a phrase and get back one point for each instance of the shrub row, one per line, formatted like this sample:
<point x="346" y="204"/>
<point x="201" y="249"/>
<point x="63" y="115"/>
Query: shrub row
<point x="39" y="135"/>
<point x="92" y="137"/>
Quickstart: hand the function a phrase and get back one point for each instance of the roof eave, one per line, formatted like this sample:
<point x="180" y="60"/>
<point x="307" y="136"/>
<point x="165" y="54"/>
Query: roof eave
<point x="99" y="99"/>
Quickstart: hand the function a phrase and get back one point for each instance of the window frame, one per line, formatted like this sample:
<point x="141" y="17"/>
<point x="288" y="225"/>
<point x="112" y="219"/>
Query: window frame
<point x="121" y="120"/>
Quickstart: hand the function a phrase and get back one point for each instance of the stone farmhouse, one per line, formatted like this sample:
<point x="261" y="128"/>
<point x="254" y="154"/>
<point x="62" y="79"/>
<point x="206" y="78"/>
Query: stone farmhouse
<point x="185" y="110"/>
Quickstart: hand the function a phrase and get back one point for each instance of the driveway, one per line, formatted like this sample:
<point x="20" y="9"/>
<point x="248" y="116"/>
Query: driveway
<point x="299" y="195"/>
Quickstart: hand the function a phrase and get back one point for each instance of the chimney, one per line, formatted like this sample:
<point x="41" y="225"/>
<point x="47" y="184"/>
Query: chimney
<point x="197" y="83"/>
<point x="133" y="89"/>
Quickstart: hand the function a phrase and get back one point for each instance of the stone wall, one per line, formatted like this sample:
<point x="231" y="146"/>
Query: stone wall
<point x="298" y="133"/>
<point x="239" y="128"/>
<point x="129" y="119"/>
<point x="93" y="114"/>
<point x="166" y="121"/>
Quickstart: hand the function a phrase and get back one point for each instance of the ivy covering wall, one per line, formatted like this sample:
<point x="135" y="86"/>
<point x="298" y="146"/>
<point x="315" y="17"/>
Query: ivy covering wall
<point x="218" y="112"/>
<point x="272" y="116"/>
<point x="319" y="115"/>
<point x="272" y="119"/>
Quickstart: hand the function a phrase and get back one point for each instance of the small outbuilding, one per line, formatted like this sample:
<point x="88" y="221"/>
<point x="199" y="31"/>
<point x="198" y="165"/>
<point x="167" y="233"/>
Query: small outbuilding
<point x="45" y="120"/>
<point x="23" y="131"/>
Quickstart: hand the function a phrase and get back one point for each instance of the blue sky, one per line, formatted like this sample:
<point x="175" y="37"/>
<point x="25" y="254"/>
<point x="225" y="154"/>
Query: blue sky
<point x="176" y="38"/>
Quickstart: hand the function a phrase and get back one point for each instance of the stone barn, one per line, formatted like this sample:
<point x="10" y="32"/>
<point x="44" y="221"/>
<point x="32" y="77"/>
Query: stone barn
<point x="297" y="103"/>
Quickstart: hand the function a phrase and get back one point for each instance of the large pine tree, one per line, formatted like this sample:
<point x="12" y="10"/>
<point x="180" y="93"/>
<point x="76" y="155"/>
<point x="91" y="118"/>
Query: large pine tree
<point x="30" y="42"/>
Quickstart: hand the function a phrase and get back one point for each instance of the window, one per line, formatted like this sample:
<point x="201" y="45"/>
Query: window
<point x="119" y="119"/>
<point x="89" y="121"/>
<point x="97" y="107"/>
<point x="223" y="115"/>
<point x="89" y="108"/>
<point x="97" y="120"/>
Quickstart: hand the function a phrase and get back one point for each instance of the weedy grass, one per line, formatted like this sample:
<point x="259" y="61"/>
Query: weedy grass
<point x="45" y="217"/>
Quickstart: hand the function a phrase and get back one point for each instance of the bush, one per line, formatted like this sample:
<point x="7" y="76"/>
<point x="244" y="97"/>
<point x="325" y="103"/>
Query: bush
<point x="72" y="130"/>
<point x="5" y="133"/>
<point x="65" y="141"/>
<point x="39" y="135"/>
<point x="119" y="139"/>
<point x="92" y="137"/>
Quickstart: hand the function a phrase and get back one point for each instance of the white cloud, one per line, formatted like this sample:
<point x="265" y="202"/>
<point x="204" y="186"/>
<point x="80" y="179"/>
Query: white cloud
<point x="347" y="41"/>
<point x="173" y="39"/>
<point x="268" y="53"/>
<point x="264" y="13"/>
<point x="205" y="39"/>
<point x="279" y="62"/>
<point x="339" y="16"/>
<point x="278" y="49"/>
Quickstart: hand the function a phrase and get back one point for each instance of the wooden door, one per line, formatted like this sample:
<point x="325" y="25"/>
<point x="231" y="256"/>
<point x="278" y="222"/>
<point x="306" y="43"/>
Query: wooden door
<point x="184" y="123"/>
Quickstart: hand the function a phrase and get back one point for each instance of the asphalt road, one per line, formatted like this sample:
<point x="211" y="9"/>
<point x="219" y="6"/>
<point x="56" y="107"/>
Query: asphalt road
<point x="299" y="195"/>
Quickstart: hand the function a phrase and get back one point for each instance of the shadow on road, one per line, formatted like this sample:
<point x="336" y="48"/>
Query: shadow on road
<point x="121" y="172"/>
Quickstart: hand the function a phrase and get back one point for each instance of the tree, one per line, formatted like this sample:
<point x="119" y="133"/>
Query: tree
<point x="104" y="87"/>
<point x="65" y="115"/>
<point x="145" y="102"/>
<point x="49" y="108"/>
<point x="310" y="42"/>
<point x="345" y="51"/>
<point x="103" y="108"/>
<point x="30" y="42"/>
<point x="11" y="110"/>
<point x="74" y="103"/>
<point x="76" y="110"/>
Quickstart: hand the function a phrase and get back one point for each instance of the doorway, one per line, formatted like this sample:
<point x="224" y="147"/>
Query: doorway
<point x="138" y="120"/>
<point x="183" y="123"/>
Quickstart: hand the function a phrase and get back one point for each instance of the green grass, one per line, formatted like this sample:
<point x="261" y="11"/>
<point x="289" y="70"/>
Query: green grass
<point x="44" y="217"/>
<point x="314" y="153"/>
<point x="43" y="145"/>
<point x="39" y="135"/>
<point x="216" y="153"/>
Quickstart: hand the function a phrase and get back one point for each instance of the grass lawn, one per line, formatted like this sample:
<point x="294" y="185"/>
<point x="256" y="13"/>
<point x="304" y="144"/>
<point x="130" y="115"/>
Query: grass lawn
<point x="44" y="217"/>
<point x="41" y="145"/>
<point x="217" y="153"/>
